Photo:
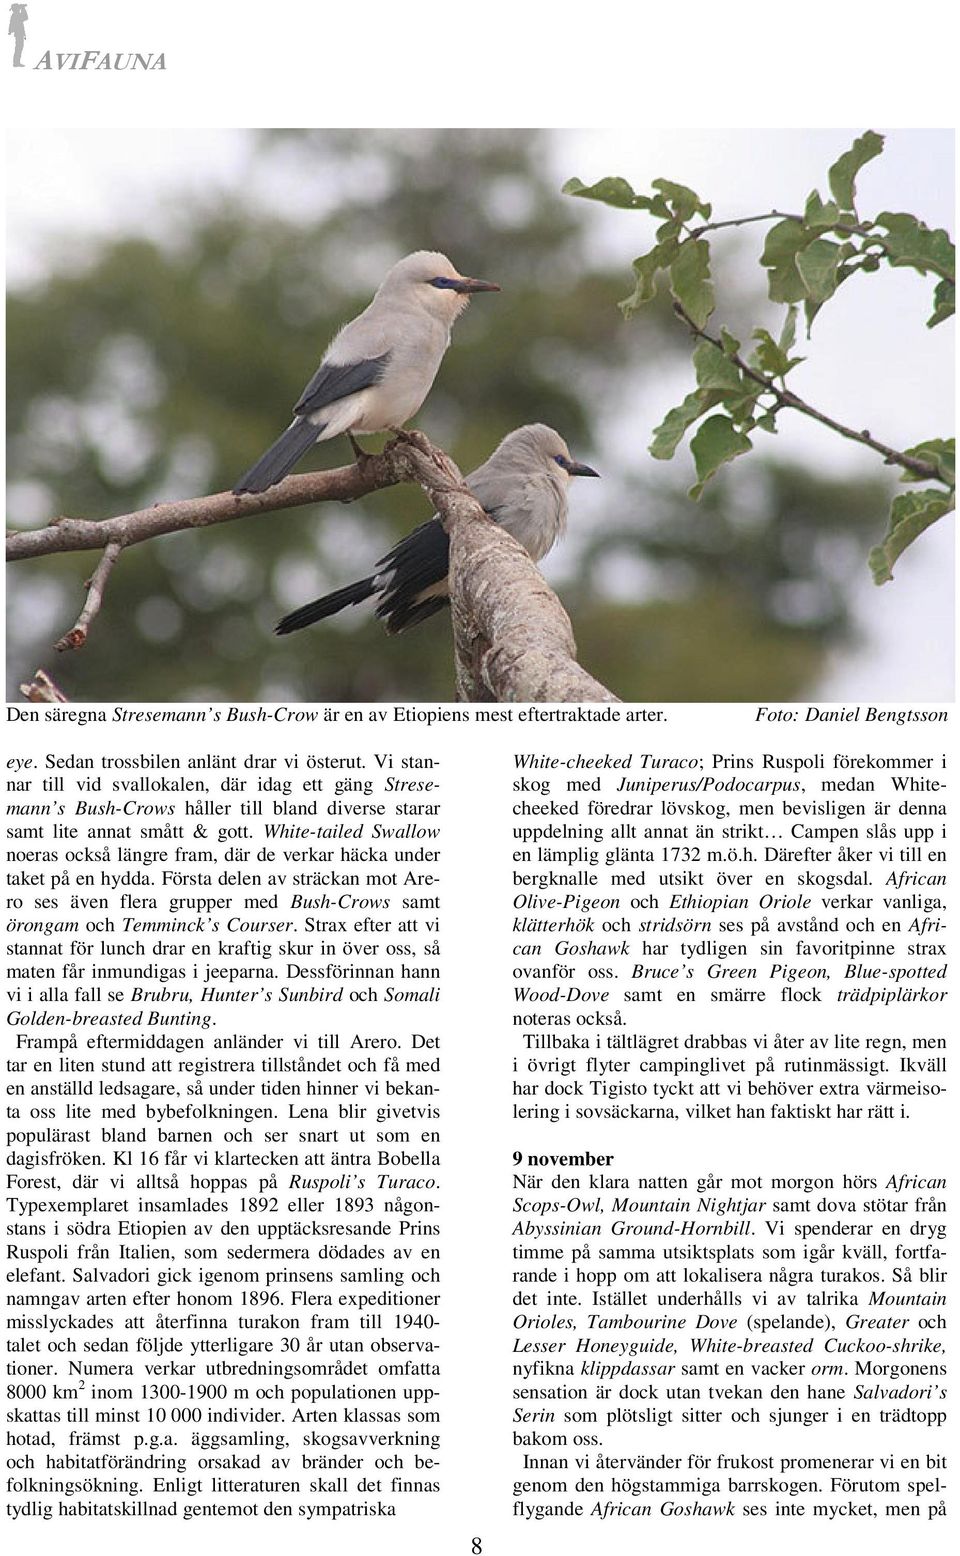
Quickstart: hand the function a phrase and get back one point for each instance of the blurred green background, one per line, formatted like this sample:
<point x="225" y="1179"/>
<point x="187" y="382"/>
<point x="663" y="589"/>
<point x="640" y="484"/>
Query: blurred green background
<point x="160" y="365"/>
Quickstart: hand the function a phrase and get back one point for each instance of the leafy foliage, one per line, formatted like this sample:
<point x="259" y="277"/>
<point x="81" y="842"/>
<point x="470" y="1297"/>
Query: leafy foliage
<point x="807" y="258"/>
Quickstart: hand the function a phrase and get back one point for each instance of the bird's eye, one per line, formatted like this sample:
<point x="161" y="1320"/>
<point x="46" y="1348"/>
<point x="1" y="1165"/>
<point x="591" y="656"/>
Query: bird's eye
<point x="442" y="281"/>
<point x="561" y="461"/>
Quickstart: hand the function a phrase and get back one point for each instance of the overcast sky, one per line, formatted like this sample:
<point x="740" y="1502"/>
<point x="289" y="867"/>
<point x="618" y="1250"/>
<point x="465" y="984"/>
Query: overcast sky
<point x="871" y="363"/>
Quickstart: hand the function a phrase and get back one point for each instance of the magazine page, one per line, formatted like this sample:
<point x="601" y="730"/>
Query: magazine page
<point x="477" y="807"/>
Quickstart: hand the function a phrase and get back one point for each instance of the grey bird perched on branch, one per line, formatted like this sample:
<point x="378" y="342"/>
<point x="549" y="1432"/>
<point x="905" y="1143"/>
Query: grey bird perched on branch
<point x="523" y="486"/>
<point x="377" y="372"/>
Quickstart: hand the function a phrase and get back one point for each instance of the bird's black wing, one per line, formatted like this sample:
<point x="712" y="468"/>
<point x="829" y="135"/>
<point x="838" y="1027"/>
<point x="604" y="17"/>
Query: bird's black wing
<point x="335" y="380"/>
<point x="418" y="560"/>
<point x="417" y="563"/>
<point x="408" y="575"/>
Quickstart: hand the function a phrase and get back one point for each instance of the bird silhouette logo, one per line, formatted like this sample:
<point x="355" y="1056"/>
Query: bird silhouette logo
<point x="18" y="32"/>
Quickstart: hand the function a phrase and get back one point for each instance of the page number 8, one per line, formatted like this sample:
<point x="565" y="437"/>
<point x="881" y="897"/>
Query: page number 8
<point x="475" y="1546"/>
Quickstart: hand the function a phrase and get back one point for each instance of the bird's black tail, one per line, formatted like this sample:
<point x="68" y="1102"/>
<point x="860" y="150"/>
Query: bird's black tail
<point x="319" y="610"/>
<point x="280" y="458"/>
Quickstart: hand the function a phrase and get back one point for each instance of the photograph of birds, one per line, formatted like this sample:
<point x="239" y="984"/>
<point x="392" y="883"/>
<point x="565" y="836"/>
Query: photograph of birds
<point x="523" y="486"/>
<point x="378" y="370"/>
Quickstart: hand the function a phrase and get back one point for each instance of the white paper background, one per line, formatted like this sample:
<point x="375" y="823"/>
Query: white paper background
<point x="456" y="63"/>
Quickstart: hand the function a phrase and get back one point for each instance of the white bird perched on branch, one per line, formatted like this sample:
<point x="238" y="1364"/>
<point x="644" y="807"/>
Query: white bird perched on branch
<point x="523" y="486"/>
<point x="377" y="372"/>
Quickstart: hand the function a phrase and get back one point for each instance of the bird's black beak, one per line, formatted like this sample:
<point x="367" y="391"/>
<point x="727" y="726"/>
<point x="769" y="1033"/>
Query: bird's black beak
<point x="573" y="468"/>
<point x="468" y="284"/>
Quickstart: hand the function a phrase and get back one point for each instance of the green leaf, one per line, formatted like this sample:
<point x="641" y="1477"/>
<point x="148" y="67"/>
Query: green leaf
<point x="714" y="370"/>
<point x="817" y="267"/>
<point x="715" y="442"/>
<point x="768" y="421"/>
<point x="936" y="451"/>
<point x="911" y="242"/>
<point x="911" y="514"/>
<point x="685" y="202"/>
<point x="730" y="344"/>
<point x="784" y="242"/>
<point x="616" y="192"/>
<point x="645" y="269"/>
<point x="819" y="214"/>
<point x="844" y="171"/>
<point x="741" y="405"/>
<point x="690" y="280"/>
<point x="610" y="191"/>
<point x="770" y="356"/>
<point x="944" y="301"/>
<point x="671" y="430"/>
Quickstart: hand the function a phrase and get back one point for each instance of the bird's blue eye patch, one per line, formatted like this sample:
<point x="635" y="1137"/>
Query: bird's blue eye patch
<point x="447" y="281"/>
<point x="560" y="460"/>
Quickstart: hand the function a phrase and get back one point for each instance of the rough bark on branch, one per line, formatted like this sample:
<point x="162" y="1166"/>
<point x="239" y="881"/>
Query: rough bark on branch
<point x="512" y="638"/>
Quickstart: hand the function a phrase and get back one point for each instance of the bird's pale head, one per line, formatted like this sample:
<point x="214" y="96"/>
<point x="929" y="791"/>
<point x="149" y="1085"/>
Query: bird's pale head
<point x="434" y="282"/>
<point x="539" y="448"/>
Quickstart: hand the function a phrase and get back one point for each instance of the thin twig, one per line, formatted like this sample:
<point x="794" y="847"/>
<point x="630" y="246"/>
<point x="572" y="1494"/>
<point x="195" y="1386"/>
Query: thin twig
<point x="786" y="397"/>
<point x="95" y="586"/>
<point x="743" y="221"/>
<point x="42" y="689"/>
<point x="845" y="229"/>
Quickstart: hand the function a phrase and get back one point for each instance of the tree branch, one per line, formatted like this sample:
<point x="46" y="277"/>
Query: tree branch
<point x="786" y="398"/>
<point x="95" y="587"/>
<point x="42" y="689"/>
<point x="168" y="518"/>
<point x="512" y="638"/>
<point x="845" y="229"/>
<point x="743" y="221"/>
